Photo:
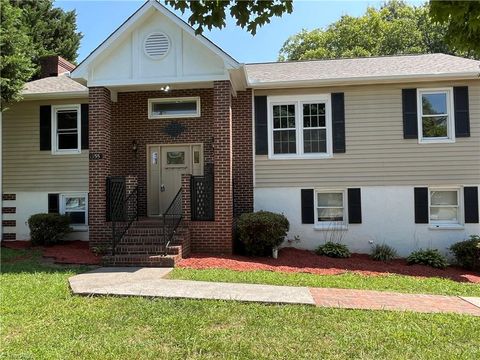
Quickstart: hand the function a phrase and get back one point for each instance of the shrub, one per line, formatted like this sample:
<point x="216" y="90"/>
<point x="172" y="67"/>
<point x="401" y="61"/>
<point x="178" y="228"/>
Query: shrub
<point x="261" y="231"/>
<point x="332" y="249"/>
<point x="383" y="252"/>
<point x="430" y="257"/>
<point x="47" y="229"/>
<point x="467" y="253"/>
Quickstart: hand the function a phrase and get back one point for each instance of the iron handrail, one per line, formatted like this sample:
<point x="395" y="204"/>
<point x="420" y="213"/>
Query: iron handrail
<point x="122" y="211"/>
<point x="175" y="212"/>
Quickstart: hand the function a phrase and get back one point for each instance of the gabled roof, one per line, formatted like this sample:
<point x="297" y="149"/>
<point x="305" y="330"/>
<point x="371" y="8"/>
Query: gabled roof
<point x="51" y="87"/>
<point x="361" y="70"/>
<point x="149" y="5"/>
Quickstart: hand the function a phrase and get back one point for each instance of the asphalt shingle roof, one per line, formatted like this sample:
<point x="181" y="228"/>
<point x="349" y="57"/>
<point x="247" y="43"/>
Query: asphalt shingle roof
<point x="360" y="68"/>
<point x="54" y="84"/>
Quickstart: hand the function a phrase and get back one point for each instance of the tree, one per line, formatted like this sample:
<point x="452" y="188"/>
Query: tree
<point x="393" y="29"/>
<point x="16" y="65"/>
<point x="53" y="31"/>
<point x="462" y="19"/>
<point x="249" y="14"/>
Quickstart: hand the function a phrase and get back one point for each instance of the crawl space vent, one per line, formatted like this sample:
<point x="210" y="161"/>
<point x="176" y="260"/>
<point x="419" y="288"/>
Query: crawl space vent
<point x="157" y="45"/>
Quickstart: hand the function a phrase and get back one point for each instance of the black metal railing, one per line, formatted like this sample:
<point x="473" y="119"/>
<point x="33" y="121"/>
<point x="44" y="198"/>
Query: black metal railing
<point x="171" y="219"/>
<point x="202" y="199"/>
<point x="122" y="208"/>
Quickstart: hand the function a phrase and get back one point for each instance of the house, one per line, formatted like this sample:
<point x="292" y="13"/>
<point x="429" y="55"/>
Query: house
<point x="182" y="139"/>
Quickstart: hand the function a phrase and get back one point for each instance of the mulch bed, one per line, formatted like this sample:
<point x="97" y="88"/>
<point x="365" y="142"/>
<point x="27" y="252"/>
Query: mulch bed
<point x="302" y="261"/>
<point x="68" y="252"/>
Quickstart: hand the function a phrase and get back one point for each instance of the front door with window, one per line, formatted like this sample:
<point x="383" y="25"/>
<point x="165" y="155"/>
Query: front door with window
<point x="167" y="164"/>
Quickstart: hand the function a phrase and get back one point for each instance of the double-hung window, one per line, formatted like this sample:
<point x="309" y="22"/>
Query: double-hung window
<point x="330" y="208"/>
<point x="444" y="207"/>
<point x="66" y="129"/>
<point x="75" y="205"/>
<point x="299" y="126"/>
<point x="435" y="115"/>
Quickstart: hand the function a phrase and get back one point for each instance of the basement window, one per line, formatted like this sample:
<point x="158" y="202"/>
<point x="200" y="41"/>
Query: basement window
<point x="168" y="108"/>
<point x="75" y="205"/>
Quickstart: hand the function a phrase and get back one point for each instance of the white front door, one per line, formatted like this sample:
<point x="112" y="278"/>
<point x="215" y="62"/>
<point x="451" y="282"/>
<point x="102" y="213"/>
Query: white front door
<point x="167" y="165"/>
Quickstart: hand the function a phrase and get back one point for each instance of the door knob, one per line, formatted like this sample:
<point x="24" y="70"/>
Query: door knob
<point x="162" y="188"/>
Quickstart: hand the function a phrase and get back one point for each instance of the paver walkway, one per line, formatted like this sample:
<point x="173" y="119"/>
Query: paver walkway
<point x="150" y="282"/>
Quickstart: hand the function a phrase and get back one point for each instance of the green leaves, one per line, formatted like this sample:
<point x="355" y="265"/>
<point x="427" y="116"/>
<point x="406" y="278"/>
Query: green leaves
<point x="396" y="28"/>
<point x="248" y="14"/>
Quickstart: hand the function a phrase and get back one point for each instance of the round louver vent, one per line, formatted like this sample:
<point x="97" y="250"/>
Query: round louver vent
<point x="157" y="45"/>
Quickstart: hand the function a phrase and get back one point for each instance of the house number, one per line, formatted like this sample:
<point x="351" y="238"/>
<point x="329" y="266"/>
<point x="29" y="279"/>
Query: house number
<point x="95" y="156"/>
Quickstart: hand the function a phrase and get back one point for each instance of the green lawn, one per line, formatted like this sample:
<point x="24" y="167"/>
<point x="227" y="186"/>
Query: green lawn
<point x="42" y="320"/>
<point x="399" y="283"/>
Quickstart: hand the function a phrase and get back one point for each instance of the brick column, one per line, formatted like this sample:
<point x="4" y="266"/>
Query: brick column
<point x="99" y="168"/>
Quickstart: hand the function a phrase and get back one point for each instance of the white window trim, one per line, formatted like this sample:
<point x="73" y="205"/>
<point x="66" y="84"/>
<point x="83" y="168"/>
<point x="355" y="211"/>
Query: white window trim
<point x="450" y="138"/>
<point x="55" y="109"/>
<point x="447" y="225"/>
<point x="62" y="196"/>
<point x="174" y="99"/>
<point x="298" y="101"/>
<point x="332" y="225"/>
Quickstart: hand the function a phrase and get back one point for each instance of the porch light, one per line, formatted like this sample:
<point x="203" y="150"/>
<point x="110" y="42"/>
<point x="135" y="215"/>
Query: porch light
<point x="165" y="88"/>
<point x="135" y="146"/>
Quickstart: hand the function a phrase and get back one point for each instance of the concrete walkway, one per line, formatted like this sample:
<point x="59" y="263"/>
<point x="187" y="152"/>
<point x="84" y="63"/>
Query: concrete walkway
<point x="150" y="282"/>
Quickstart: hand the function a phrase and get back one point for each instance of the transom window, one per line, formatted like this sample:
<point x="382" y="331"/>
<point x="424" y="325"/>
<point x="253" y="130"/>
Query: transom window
<point x="75" y="206"/>
<point x="299" y="126"/>
<point x="330" y="207"/>
<point x="435" y="119"/>
<point x="66" y="137"/>
<point x="173" y="108"/>
<point x="444" y="206"/>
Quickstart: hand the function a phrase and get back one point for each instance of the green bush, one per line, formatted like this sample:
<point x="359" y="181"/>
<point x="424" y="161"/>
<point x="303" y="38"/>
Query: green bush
<point x="383" y="252"/>
<point x="332" y="249"/>
<point x="467" y="253"/>
<point x="48" y="229"/>
<point x="261" y="231"/>
<point x="430" y="257"/>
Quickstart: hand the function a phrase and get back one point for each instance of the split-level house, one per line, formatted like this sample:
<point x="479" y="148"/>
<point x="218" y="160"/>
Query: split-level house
<point x="158" y="140"/>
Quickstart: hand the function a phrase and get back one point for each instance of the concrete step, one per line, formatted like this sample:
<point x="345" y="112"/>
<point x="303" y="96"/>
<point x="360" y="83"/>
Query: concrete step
<point x="140" y="260"/>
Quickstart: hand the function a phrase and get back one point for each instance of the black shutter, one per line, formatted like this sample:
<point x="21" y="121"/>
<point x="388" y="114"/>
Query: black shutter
<point x="84" y="121"/>
<point x="409" y="105"/>
<point x="45" y="127"/>
<point x="462" y="116"/>
<point x="338" y="122"/>
<point x="354" y="206"/>
<point x="308" y="214"/>
<point x="53" y="204"/>
<point x="261" y="129"/>
<point x="421" y="205"/>
<point x="470" y="201"/>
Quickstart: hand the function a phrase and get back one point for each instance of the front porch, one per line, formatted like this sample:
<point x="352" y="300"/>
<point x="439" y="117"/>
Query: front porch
<point x="126" y="144"/>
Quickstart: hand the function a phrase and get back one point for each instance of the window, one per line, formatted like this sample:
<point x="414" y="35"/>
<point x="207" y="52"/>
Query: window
<point x="175" y="157"/>
<point x="444" y="206"/>
<point x="76" y="207"/>
<point x="173" y="108"/>
<point x="435" y="119"/>
<point x="330" y="208"/>
<point x="299" y="126"/>
<point x="66" y="137"/>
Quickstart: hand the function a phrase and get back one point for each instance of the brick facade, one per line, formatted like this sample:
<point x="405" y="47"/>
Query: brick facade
<point x="224" y="129"/>
<point x="9" y="197"/>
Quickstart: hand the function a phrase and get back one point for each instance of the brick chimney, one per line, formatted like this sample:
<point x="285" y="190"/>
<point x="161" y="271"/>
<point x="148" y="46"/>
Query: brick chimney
<point x="54" y="65"/>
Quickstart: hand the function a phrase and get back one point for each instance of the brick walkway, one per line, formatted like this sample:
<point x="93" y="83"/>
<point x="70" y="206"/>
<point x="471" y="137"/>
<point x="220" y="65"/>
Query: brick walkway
<point x="382" y="300"/>
<point x="150" y="282"/>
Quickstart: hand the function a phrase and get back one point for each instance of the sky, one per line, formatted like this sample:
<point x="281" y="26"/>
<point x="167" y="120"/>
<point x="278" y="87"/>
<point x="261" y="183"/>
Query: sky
<point x="98" y="19"/>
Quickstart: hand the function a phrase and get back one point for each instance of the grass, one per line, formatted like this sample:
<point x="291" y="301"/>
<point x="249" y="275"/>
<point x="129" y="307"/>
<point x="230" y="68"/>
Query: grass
<point x="398" y="283"/>
<point x="41" y="319"/>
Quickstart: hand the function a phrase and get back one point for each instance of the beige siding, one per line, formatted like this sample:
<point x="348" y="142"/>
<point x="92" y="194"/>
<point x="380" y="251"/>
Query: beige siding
<point x="25" y="167"/>
<point x="376" y="153"/>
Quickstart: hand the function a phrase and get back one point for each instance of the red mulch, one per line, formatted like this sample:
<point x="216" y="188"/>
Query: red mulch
<point x="67" y="252"/>
<point x="302" y="261"/>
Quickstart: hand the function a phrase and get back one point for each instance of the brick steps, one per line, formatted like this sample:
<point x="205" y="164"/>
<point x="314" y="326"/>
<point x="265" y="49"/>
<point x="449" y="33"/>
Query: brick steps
<point x="140" y="260"/>
<point x="154" y="249"/>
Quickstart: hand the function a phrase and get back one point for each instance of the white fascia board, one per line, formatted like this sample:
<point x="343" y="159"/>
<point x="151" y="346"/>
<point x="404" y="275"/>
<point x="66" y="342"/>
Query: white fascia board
<point x="56" y="95"/>
<point x="160" y="81"/>
<point x="362" y="80"/>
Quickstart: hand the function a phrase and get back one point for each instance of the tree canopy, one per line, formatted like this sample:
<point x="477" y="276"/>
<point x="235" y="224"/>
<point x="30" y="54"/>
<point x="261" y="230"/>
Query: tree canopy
<point x="393" y="29"/>
<point x="463" y="23"/>
<point x="248" y="14"/>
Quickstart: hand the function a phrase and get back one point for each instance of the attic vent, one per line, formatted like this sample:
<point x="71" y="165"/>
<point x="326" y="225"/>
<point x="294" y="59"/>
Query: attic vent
<point x="157" y="45"/>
